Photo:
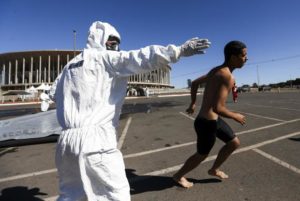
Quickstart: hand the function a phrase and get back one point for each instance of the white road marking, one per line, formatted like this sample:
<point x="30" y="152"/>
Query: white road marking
<point x="191" y="143"/>
<point x="22" y="176"/>
<point x="266" y="106"/>
<point x="255" y="129"/>
<point x="146" y="152"/>
<point x="175" y="95"/>
<point x="167" y="170"/>
<point x="278" y="161"/>
<point x="289" y="101"/>
<point x="177" y="167"/>
<point x="124" y="133"/>
<point x="250" y="114"/>
<point x="54" y="198"/>
<point x="158" y="150"/>
<point x="186" y="115"/>
<point x="260" y="116"/>
<point x="269" y="126"/>
<point x="7" y="150"/>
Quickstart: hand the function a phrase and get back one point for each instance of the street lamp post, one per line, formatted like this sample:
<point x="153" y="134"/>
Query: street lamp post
<point x="74" y="32"/>
<point x="257" y="73"/>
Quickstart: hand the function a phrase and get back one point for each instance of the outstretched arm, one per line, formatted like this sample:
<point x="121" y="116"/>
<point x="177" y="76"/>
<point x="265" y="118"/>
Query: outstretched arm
<point x="125" y="63"/>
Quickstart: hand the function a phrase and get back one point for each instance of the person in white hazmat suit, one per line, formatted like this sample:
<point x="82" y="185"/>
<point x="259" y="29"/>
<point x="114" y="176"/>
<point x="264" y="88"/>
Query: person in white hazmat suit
<point x="45" y="101"/>
<point x="89" y="94"/>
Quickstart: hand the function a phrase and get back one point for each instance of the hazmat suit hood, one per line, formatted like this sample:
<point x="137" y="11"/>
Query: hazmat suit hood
<point x="99" y="33"/>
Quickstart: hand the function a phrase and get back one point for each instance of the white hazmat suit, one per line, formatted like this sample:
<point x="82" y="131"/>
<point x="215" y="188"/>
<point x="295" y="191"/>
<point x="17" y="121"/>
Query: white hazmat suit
<point x="89" y="94"/>
<point x="45" y="101"/>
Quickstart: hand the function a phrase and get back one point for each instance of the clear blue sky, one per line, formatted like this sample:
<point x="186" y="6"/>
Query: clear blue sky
<point x="270" y="29"/>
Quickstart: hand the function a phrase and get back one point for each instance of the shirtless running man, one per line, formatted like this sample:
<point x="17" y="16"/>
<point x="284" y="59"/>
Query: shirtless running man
<point x="208" y="124"/>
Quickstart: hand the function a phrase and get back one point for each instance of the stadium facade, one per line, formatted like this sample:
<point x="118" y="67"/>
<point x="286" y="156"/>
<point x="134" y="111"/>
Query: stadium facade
<point x="20" y="70"/>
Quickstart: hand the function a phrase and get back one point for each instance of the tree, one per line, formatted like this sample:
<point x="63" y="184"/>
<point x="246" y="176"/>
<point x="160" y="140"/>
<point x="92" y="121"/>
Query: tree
<point x="255" y="85"/>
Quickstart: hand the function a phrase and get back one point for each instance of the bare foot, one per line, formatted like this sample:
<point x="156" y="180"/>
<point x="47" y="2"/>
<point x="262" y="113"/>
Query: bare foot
<point x="218" y="173"/>
<point x="183" y="182"/>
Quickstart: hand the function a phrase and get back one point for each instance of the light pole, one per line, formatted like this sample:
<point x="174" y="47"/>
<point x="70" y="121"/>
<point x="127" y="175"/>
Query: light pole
<point x="257" y="73"/>
<point x="74" y="32"/>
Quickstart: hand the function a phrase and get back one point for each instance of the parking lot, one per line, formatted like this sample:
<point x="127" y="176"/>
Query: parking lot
<point x="156" y="137"/>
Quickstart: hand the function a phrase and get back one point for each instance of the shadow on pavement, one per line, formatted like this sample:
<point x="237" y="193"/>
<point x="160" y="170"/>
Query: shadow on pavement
<point x="140" y="184"/>
<point x="152" y="183"/>
<point x="19" y="193"/>
<point x="205" y="181"/>
<point x="295" y="139"/>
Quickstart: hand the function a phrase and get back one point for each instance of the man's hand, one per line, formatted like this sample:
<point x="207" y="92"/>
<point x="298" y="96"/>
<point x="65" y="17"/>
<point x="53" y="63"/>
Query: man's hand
<point x="194" y="46"/>
<point x="191" y="109"/>
<point x="240" y="118"/>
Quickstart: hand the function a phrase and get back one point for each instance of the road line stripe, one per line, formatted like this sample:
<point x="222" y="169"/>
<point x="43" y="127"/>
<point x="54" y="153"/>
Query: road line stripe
<point x="167" y="170"/>
<point x="7" y="150"/>
<point x="280" y="108"/>
<point x="22" y="176"/>
<point x="210" y="158"/>
<point x="256" y="115"/>
<point x="124" y="133"/>
<point x="54" y="198"/>
<point x="269" y="126"/>
<point x="186" y="115"/>
<point x="268" y="142"/>
<point x="54" y="170"/>
<point x="147" y="152"/>
<point x="175" y="95"/>
<point x="158" y="150"/>
<point x="177" y="167"/>
<point x="278" y="161"/>
<point x="255" y="129"/>
<point x="191" y="143"/>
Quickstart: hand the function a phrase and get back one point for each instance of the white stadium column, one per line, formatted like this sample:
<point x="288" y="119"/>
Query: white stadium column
<point x="23" y="71"/>
<point x="3" y="74"/>
<point x="9" y="72"/>
<point x="49" y="69"/>
<point x="16" y="72"/>
<point x="40" y="70"/>
<point x="31" y="71"/>
<point x="58" y="64"/>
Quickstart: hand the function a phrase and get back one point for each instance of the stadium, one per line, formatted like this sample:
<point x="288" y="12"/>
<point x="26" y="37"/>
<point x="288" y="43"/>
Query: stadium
<point x="21" y="70"/>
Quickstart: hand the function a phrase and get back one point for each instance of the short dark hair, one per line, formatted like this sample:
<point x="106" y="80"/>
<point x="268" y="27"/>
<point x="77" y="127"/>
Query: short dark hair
<point x="233" y="48"/>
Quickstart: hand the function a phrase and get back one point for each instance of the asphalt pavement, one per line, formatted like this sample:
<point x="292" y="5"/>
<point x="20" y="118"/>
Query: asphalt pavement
<point x="156" y="137"/>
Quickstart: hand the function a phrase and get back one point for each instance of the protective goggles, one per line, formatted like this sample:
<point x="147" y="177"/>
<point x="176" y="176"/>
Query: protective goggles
<point x="112" y="45"/>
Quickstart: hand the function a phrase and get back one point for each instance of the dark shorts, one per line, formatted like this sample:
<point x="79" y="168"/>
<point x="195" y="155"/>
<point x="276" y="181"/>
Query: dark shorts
<point x="208" y="130"/>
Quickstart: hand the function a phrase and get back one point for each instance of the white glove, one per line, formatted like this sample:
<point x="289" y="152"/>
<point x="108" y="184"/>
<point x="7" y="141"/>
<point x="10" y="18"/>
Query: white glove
<point x="194" y="46"/>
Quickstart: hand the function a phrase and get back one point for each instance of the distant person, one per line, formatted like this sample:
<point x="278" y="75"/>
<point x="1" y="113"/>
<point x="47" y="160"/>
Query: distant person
<point x="208" y="124"/>
<point x="234" y="93"/>
<point x="89" y="95"/>
<point x="147" y="92"/>
<point x="45" y="101"/>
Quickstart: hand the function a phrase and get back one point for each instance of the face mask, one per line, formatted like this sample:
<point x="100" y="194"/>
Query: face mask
<point x="112" y="45"/>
